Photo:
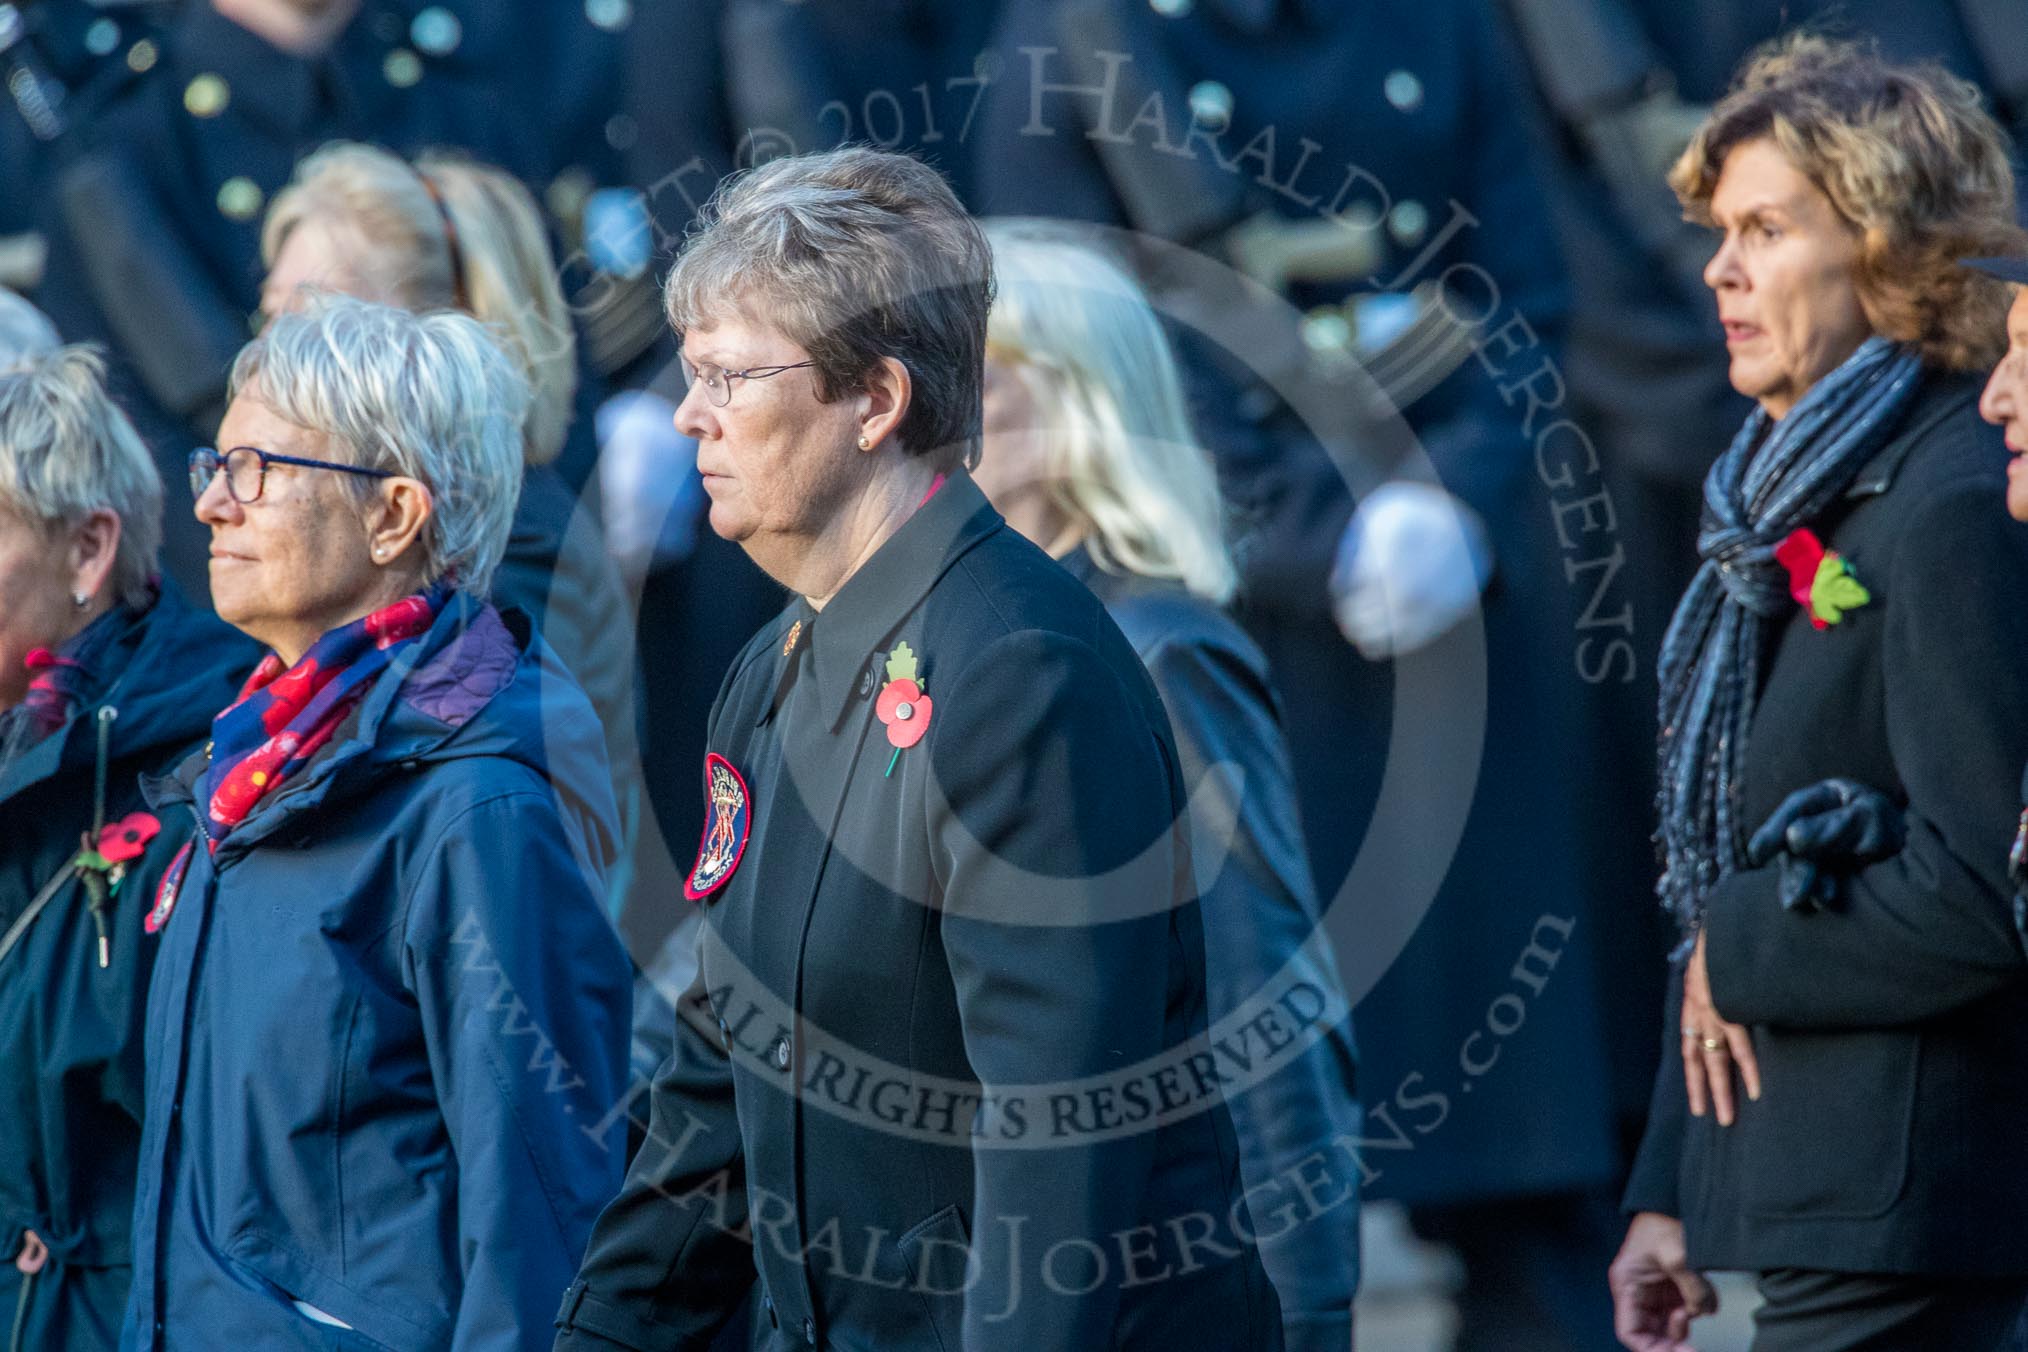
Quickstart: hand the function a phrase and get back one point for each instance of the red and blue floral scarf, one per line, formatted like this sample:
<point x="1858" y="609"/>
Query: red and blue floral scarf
<point x="284" y="716"/>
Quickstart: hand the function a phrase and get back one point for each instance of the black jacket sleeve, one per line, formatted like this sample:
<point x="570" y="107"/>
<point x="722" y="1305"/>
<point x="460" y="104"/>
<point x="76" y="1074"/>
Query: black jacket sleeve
<point x="668" y="1262"/>
<point x="1652" y="1183"/>
<point x="1261" y="926"/>
<point x="1930" y="930"/>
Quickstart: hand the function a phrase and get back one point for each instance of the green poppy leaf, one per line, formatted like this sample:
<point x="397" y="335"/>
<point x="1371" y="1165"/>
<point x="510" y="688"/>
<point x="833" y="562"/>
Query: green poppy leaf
<point x="1836" y="591"/>
<point x="901" y="664"/>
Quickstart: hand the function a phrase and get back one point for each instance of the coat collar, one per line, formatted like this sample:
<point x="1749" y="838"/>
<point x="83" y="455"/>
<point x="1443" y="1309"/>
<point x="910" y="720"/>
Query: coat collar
<point x="1942" y="397"/>
<point x="835" y="643"/>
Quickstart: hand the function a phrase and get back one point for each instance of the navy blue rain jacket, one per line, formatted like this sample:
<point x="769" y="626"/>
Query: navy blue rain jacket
<point x="387" y="1019"/>
<point x="70" y="1029"/>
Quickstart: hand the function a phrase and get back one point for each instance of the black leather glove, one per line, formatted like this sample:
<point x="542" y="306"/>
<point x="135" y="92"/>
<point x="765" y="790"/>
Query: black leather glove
<point x="1829" y="828"/>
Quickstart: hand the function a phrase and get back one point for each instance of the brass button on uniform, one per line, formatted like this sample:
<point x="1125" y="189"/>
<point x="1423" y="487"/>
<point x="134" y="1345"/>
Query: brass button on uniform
<point x="402" y="68"/>
<point x="1211" y="104"/>
<point x="205" y="96"/>
<point x="240" y="198"/>
<point x="611" y="15"/>
<point x="436" y="31"/>
<point x="1404" y="90"/>
<point x="1408" y="223"/>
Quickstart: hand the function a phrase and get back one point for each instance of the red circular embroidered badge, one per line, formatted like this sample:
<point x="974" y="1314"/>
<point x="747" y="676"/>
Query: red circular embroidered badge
<point x="728" y="817"/>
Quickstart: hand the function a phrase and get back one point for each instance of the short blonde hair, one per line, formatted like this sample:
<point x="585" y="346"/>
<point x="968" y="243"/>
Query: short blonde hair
<point x="432" y="397"/>
<point x="1122" y="460"/>
<point x="1909" y="159"/>
<point x="406" y="242"/>
<point x="66" y="451"/>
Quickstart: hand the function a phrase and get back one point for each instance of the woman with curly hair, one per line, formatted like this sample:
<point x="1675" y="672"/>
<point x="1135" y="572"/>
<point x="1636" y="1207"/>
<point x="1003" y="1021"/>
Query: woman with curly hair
<point x="1842" y="740"/>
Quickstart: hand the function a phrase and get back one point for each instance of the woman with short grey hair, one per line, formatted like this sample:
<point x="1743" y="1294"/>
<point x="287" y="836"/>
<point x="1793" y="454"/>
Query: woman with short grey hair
<point x="387" y="997"/>
<point x="949" y="939"/>
<point x="105" y="675"/>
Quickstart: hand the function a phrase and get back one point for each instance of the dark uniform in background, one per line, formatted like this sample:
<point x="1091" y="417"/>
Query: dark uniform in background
<point x="913" y="956"/>
<point x="150" y="208"/>
<point x="1394" y="118"/>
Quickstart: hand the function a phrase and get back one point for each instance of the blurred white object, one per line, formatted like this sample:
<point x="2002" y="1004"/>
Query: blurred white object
<point x="649" y="492"/>
<point x="1410" y="566"/>
<point x="25" y="332"/>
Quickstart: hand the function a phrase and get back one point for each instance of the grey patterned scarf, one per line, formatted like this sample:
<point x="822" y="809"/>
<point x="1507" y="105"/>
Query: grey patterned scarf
<point x="1773" y="479"/>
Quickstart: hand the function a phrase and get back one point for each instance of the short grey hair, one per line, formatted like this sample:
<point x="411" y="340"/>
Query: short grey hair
<point x="66" y="451"/>
<point x="854" y="255"/>
<point x="25" y="332"/>
<point x="432" y="397"/>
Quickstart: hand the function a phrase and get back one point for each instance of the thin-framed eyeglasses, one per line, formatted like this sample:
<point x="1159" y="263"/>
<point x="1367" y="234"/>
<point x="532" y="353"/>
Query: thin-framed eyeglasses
<point x="246" y="470"/>
<point x="717" y="381"/>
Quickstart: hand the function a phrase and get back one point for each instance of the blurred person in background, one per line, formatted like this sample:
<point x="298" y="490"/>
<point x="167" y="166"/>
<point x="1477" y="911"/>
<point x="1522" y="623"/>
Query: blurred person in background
<point x="445" y="233"/>
<point x="1842" y="741"/>
<point x="148" y="196"/>
<point x="1378" y="172"/>
<point x="105" y="675"/>
<point x="388" y="1002"/>
<point x="1089" y="452"/>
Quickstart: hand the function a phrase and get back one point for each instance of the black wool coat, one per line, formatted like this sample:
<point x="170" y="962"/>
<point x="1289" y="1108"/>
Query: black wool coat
<point x="937" y="989"/>
<point x="1892" y="1029"/>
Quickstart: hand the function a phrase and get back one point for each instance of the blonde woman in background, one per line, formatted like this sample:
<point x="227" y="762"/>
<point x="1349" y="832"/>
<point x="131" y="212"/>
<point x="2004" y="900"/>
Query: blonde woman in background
<point x="1089" y="452"/>
<point x="446" y="233"/>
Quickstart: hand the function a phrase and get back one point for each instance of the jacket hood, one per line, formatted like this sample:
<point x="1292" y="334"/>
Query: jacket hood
<point x="177" y="667"/>
<point x="477" y="684"/>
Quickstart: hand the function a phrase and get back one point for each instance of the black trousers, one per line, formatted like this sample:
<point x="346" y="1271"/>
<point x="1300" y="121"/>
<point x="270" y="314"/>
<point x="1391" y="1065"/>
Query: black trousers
<point x="1847" y="1312"/>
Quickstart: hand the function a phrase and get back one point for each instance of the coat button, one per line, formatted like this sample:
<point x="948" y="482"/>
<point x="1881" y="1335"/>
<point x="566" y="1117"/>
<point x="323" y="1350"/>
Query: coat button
<point x="206" y="96"/>
<point x="781" y="1053"/>
<point x="239" y="198"/>
<point x="1403" y="90"/>
<point x="1408" y="222"/>
<point x="436" y="31"/>
<point x="402" y="68"/>
<point x="810" y="1332"/>
<point x="866" y="682"/>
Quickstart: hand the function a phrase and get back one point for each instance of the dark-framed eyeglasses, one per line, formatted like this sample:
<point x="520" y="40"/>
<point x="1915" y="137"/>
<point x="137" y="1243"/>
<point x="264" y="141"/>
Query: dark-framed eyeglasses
<point x="246" y="470"/>
<point x="717" y="381"/>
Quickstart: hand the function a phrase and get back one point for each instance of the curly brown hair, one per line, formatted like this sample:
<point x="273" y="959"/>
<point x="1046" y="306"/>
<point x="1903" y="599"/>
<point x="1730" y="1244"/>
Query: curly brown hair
<point x="1911" y="161"/>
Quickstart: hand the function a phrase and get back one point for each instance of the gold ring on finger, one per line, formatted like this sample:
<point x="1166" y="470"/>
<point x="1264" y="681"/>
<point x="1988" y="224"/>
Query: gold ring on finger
<point x="1713" y="1044"/>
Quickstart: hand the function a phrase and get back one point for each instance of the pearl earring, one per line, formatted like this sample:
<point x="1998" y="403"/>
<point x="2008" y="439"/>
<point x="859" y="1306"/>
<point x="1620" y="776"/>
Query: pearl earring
<point x="380" y="551"/>
<point x="80" y="600"/>
<point x="865" y="445"/>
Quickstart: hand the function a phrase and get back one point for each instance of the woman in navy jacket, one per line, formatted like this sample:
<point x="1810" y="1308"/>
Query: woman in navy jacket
<point x="1089" y="453"/>
<point x="104" y="675"/>
<point x="388" y="1010"/>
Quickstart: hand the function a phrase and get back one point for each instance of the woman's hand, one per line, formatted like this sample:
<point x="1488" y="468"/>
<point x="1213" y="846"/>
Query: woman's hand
<point x="34" y="1253"/>
<point x="1655" y="1294"/>
<point x="1711" y="1046"/>
<point x="1831" y="827"/>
